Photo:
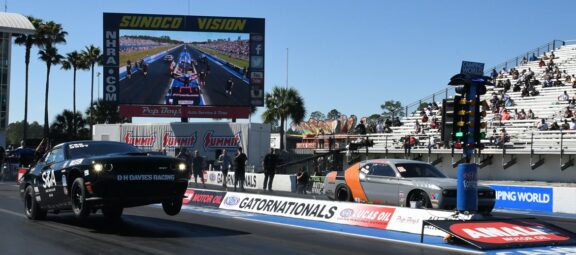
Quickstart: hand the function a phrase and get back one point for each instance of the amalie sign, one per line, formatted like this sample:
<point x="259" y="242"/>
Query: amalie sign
<point x="495" y="234"/>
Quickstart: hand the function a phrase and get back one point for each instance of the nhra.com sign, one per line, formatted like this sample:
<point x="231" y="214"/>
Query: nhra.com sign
<point x="525" y="198"/>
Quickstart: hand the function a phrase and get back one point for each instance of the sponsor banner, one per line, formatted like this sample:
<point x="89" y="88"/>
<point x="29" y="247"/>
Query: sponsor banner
<point x="498" y="234"/>
<point x="410" y="220"/>
<point x="281" y="182"/>
<point x="524" y="198"/>
<point x="203" y="198"/>
<point x="374" y="216"/>
<point x="177" y="111"/>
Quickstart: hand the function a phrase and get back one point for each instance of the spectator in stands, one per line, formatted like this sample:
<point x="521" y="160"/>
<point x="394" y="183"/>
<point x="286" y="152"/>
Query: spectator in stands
<point x="552" y="56"/>
<point x="573" y="100"/>
<point x="434" y="124"/>
<point x="568" y="113"/>
<point x="565" y="125"/>
<point x="542" y="126"/>
<point x="424" y="119"/>
<point x="573" y="81"/>
<point x="524" y="60"/>
<point x="533" y="91"/>
<point x="530" y="115"/>
<point x="505" y="116"/>
<point x="525" y="92"/>
<point x="507" y="100"/>
<point x="516" y="87"/>
<point x="533" y="57"/>
<point x="494" y="74"/>
<point x="545" y="57"/>
<point x="387" y="122"/>
<point x="387" y="129"/>
<point x="435" y="106"/>
<point x="408" y="142"/>
<point x="361" y="128"/>
<point x="507" y="85"/>
<point x="380" y="127"/>
<point x="417" y="127"/>
<point x="554" y="126"/>
<point x="494" y="103"/>
<point x="564" y="96"/>
<point x="567" y="77"/>
<point x="502" y="138"/>
<point x="541" y="63"/>
<point x="573" y="124"/>
<point x="397" y="122"/>
<point x="493" y="136"/>
<point x="521" y="115"/>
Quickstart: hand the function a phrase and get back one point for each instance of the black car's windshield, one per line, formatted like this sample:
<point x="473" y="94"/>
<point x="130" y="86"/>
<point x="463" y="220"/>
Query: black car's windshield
<point x="415" y="170"/>
<point x="90" y="149"/>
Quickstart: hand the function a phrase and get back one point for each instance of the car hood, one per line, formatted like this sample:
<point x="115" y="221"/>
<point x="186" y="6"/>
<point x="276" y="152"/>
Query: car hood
<point x="444" y="183"/>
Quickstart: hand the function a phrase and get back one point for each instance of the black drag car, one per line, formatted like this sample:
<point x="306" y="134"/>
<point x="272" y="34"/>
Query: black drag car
<point x="86" y="176"/>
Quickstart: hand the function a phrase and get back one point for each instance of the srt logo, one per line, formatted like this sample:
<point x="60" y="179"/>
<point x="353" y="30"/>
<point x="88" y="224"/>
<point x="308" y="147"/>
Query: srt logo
<point x="49" y="179"/>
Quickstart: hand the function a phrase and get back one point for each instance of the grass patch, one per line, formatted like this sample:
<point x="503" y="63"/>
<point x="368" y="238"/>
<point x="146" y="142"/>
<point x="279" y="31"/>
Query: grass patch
<point x="137" y="55"/>
<point x="237" y="62"/>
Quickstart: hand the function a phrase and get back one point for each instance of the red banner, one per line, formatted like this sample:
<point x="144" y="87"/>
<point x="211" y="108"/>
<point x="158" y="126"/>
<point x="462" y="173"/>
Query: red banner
<point x="185" y="111"/>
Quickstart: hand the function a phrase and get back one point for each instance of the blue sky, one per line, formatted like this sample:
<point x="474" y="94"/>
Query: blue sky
<point x="348" y="55"/>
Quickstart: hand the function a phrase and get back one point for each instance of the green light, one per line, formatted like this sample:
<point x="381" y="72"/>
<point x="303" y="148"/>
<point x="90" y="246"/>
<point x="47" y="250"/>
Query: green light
<point x="482" y="135"/>
<point x="459" y="134"/>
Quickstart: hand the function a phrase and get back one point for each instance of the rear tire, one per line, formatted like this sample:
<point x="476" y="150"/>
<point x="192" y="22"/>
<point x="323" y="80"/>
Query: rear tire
<point x="78" y="198"/>
<point x="32" y="209"/>
<point x="172" y="206"/>
<point x="343" y="194"/>
<point x="113" y="213"/>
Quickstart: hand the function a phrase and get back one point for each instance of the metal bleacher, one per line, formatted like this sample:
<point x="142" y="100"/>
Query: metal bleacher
<point x="525" y="138"/>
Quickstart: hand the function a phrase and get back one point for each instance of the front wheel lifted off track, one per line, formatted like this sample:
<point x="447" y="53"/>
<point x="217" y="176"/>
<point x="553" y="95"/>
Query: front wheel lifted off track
<point x="78" y="199"/>
<point x="172" y="206"/>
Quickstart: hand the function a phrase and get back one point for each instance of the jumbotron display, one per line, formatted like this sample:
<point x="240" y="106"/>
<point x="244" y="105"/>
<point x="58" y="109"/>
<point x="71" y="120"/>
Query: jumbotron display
<point x="197" y="61"/>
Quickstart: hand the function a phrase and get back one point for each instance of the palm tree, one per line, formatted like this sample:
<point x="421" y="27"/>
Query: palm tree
<point x="67" y="122"/>
<point x="51" y="33"/>
<point x="281" y="104"/>
<point x="105" y="112"/>
<point x="92" y="56"/>
<point x="28" y="41"/>
<point x="74" y="61"/>
<point x="49" y="55"/>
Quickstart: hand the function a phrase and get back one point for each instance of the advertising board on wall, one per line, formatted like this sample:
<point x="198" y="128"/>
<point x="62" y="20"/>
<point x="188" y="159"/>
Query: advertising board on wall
<point x="192" y="66"/>
<point x="524" y="198"/>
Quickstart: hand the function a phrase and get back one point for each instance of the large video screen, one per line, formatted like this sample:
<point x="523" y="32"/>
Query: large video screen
<point x="183" y="60"/>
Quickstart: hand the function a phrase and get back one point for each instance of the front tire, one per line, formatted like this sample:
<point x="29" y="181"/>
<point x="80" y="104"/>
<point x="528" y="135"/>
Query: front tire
<point x="78" y="199"/>
<point x="343" y="194"/>
<point x="32" y="209"/>
<point x="172" y="206"/>
<point x="421" y="197"/>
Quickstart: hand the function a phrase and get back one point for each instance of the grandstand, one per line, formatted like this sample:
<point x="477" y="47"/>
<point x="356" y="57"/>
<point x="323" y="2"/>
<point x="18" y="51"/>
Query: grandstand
<point x="526" y="142"/>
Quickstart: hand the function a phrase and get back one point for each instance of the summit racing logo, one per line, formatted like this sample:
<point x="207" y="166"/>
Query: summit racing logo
<point x="135" y="21"/>
<point x="140" y="141"/>
<point x="217" y="142"/>
<point x="170" y="140"/>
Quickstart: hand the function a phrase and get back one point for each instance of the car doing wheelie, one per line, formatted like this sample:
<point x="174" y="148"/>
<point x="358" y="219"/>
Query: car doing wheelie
<point x="400" y="183"/>
<point x="87" y="176"/>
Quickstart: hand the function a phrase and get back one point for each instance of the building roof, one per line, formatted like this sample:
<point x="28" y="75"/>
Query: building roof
<point x="15" y="23"/>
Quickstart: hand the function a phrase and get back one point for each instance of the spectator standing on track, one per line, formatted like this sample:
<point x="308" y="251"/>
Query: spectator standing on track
<point x="197" y="165"/>
<point x="270" y="162"/>
<point x="240" y="171"/>
<point x="301" y="181"/>
<point x="129" y="69"/>
<point x="229" y="86"/>
<point x="225" y="161"/>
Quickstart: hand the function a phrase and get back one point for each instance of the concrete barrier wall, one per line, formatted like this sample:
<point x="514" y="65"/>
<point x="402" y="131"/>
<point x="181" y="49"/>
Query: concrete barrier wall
<point x="508" y="197"/>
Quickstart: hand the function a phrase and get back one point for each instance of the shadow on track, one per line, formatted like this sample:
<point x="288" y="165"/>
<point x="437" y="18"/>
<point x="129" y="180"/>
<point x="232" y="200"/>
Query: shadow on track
<point x="141" y="226"/>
